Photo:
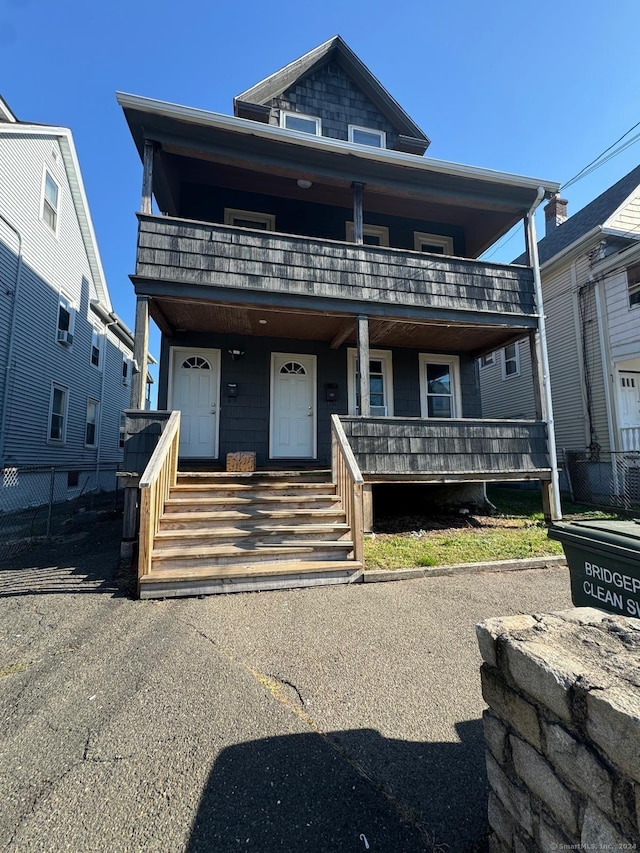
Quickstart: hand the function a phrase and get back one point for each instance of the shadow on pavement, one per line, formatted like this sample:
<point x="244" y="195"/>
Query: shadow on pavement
<point x="84" y="559"/>
<point x="309" y="792"/>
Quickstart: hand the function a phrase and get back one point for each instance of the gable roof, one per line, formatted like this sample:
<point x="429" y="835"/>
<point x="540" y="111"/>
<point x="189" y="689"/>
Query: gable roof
<point x="5" y="112"/>
<point x="595" y="214"/>
<point x="336" y="50"/>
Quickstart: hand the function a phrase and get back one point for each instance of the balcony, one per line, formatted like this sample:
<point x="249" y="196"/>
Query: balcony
<point x="201" y="261"/>
<point x="448" y="451"/>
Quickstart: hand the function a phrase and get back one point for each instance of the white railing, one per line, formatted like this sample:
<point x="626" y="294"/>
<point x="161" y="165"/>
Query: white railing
<point x="630" y="438"/>
<point x="348" y="481"/>
<point x="159" y="476"/>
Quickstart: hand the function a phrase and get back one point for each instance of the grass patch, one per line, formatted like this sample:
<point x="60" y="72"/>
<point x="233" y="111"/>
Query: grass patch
<point x="515" y="532"/>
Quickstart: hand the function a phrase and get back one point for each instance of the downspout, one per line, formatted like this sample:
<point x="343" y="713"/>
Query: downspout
<point x="12" y="326"/>
<point x="556" y="510"/>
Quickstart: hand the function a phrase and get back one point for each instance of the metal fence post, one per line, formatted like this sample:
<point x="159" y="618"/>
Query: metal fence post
<point x="52" y="484"/>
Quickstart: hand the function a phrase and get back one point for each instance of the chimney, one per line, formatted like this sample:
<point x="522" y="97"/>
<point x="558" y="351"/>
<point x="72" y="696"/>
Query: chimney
<point x="555" y="213"/>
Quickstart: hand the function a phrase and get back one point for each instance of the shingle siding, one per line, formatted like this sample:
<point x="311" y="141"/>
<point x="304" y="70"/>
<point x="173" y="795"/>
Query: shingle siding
<point x="331" y="96"/>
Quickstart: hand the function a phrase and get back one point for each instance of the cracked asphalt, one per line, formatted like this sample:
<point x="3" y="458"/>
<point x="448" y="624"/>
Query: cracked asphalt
<point x="341" y="718"/>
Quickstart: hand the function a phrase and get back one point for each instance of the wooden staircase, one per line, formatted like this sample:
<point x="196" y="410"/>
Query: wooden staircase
<point x="222" y="532"/>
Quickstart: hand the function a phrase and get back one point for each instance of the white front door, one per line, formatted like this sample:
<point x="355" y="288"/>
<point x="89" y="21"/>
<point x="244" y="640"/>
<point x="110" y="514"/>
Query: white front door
<point x="293" y="406"/>
<point x="629" y="409"/>
<point x="194" y="389"/>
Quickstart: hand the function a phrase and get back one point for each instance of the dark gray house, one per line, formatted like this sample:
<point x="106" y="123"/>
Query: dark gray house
<point x="315" y="280"/>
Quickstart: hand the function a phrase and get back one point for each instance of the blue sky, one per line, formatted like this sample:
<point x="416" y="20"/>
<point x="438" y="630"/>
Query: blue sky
<point x="538" y="89"/>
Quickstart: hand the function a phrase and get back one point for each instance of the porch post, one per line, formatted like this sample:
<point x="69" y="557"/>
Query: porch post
<point x="358" y="233"/>
<point x="147" y="177"/>
<point x="140" y="350"/>
<point x="363" y="365"/>
<point x="541" y="379"/>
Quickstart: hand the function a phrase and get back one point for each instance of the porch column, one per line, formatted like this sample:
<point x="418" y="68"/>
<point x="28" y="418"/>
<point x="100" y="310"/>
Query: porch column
<point x="147" y="177"/>
<point x="140" y="351"/>
<point x="358" y="233"/>
<point x="363" y="365"/>
<point x="541" y="379"/>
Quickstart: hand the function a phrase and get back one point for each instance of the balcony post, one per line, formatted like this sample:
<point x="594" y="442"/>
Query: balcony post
<point x="363" y="365"/>
<point x="140" y="353"/>
<point x="541" y="378"/>
<point x="147" y="177"/>
<point x="358" y="230"/>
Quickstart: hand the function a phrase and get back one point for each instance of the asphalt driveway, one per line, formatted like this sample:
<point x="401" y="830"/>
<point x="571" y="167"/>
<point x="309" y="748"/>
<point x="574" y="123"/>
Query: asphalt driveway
<point x="332" y="719"/>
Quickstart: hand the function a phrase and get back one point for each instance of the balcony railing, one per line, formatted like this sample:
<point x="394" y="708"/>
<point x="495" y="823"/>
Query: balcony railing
<point x="184" y="252"/>
<point x="630" y="438"/>
<point x="448" y="450"/>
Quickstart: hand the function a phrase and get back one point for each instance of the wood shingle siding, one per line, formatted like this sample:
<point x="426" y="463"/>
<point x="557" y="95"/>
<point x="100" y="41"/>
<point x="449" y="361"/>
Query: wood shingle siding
<point x="183" y="252"/>
<point x="447" y="448"/>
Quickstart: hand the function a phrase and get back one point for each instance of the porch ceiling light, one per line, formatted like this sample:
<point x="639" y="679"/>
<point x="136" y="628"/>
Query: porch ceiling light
<point x="235" y="353"/>
<point x="262" y="322"/>
<point x="304" y="184"/>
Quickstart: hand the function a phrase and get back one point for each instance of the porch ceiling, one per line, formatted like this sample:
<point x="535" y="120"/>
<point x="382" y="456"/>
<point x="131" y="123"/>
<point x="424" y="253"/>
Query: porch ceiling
<point x="175" y="316"/>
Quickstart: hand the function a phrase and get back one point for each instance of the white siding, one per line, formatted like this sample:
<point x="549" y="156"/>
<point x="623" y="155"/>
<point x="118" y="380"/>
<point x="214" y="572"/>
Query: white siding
<point x="52" y="264"/>
<point x="627" y="219"/>
<point x="511" y="397"/>
<point x="624" y="321"/>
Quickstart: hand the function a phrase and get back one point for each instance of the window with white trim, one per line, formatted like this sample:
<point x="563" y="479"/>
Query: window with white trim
<point x="367" y="136"/>
<point x="250" y="219"/>
<point x="440" y="392"/>
<point x="633" y="283"/>
<point x="301" y="122"/>
<point x="50" y="201"/>
<point x="126" y="370"/>
<point x="488" y="360"/>
<point x="66" y="321"/>
<point x="91" y="424"/>
<point x="372" y="235"/>
<point x="434" y="244"/>
<point x="96" y="348"/>
<point x="380" y="383"/>
<point x="58" y="413"/>
<point x="510" y="361"/>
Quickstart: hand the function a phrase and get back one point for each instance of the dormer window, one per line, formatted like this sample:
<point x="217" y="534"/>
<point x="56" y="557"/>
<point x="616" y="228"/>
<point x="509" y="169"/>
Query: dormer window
<point x="300" y="122"/>
<point x="367" y="136"/>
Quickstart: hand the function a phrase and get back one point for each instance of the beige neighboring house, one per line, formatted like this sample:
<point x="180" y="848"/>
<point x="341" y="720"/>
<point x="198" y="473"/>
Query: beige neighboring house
<point x="590" y="268"/>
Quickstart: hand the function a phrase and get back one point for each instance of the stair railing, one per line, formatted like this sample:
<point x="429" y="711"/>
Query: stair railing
<point x="348" y="481"/>
<point x="159" y="476"/>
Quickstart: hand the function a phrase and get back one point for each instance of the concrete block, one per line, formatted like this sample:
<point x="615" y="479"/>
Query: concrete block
<point x="488" y="632"/>
<point x="579" y="767"/>
<point x="539" y="777"/>
<point x="508" y="705"/>
<point x="495" y="735"/>
<point x="599" y="834"/>
<point x="542" y="674"/>
<point x="499" y="820"/>
<point x="515" y="800"/>
<point x="613" y="722"/>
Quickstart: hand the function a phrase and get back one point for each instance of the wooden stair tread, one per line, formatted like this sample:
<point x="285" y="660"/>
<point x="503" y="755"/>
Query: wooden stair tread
<point x="249" y="487"/>
<point x="187" y="552"/>
<point x="262" y="514"/>
<point x="252" y="570"/>
<point x="202" y="532"/>
<point x="251" y="500"/>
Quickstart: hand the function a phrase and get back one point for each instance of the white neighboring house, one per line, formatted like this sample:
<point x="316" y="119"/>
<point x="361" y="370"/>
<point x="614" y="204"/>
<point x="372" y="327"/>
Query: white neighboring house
<point x="65" y="357"/>
<point x="590" y="268"/>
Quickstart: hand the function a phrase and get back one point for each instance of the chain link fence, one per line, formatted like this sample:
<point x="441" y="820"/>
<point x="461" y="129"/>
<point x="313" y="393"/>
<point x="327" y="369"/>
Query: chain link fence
<point x="36" y="502"/>
<point x="604" y="479"/>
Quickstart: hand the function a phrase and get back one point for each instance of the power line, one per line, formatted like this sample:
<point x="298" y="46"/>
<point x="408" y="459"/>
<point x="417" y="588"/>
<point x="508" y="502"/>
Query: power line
<point x="606" y="151"/>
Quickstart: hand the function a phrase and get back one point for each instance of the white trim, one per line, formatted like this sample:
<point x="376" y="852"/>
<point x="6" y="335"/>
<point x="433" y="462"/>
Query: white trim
<point x="453" y="361"/>
<point x="380" y="231"/>
<point x="215" y="356"/>
<point x="366" y="152"/>
<point x="99" y="345"/>
<point x="314" y="396"/>
<point x="65" y="414"/>
<point x="487" y="360"/>
<point x="231" y="213"/>
<point x="285" y="114"/>
<point x="441" y="240"/>
<point x="381" y="134"/>
<point x="69" y="306"/>
<point x="384" y="355"/>
<point x="46" y="173"/>
<point x="516" y="358"/>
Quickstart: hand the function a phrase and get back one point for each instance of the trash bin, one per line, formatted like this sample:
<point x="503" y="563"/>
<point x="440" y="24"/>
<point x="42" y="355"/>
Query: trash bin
<point x="604" y="563"/>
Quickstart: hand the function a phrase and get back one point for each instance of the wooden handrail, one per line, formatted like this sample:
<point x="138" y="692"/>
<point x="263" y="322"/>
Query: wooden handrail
<point x="159" y="477"/>
<point x="348" y="480"/>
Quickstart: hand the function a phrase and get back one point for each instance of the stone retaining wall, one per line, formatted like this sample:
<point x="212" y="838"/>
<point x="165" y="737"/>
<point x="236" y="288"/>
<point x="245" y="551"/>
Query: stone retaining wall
<point x="562" y="731"/>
